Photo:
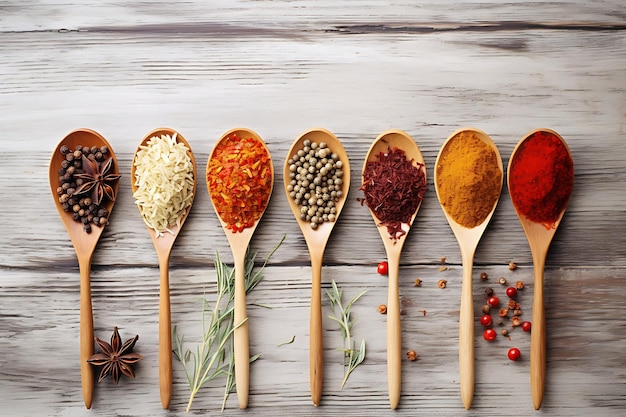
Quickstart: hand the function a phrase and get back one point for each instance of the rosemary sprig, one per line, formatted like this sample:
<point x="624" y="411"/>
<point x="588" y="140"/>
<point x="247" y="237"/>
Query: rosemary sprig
<point x="213" y="357"/>
<point x="352" y="357"/>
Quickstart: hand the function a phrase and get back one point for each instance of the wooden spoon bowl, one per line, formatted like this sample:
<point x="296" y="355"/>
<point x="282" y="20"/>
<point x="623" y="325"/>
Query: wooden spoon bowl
<point x="239" y="242"/>
<point x="389" y="140"/>
<point x="468" y="239"/>
<point x="316" y="240"/>
<point x="163" y="245"/>
<point x="84" y="245"/>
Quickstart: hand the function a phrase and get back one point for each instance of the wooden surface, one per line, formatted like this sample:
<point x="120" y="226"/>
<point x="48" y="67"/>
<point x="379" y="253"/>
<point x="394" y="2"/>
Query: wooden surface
<point x="356" y="68"/>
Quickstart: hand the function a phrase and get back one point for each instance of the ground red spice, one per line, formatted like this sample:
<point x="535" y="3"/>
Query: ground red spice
<point x="393" y="187"/>
<point x="239" y="179"/>
<point x="541" y="178"/>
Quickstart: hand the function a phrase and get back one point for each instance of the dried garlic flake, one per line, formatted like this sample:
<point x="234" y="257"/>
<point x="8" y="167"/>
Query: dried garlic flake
<point x="164" y="181"/>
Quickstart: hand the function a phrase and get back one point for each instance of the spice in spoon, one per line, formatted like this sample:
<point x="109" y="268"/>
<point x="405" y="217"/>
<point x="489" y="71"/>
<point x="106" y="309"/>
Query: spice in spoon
<point x="87" y="182"/>
<point x="394" y="187"/>
<point x="239" y="179"/>
<point x="541" y="178"/>
<point x="164" y="181"/>
<point x="316" y="184"/>
<point x="469" y="180"/>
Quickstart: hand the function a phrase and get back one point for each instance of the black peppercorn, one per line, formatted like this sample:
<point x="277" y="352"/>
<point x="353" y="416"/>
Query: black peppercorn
<point x="488" y="291"/>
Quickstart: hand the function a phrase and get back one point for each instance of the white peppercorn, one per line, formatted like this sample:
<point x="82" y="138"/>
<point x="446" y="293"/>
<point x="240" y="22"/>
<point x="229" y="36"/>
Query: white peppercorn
<point x="316" y="182"/>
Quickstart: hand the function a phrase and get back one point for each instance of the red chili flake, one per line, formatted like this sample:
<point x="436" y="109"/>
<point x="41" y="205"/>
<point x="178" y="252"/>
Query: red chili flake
<point x="394" y="186"/>
<point x="239" y="178"/>
<point x="541" y="178"/>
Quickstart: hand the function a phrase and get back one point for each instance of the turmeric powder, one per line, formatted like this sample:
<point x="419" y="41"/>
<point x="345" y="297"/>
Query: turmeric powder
<point x="468" y="178"/>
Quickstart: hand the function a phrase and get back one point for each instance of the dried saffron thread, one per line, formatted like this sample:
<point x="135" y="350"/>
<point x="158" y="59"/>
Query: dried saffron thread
<point x="541" y="178"/>
<point x="239" y="179"/>
<point x="394" y="186"/>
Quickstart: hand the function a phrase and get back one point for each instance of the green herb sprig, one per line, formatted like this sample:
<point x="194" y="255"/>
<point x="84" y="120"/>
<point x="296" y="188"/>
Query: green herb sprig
<point x="352" y="357"/>
<point x="214" y="356"/>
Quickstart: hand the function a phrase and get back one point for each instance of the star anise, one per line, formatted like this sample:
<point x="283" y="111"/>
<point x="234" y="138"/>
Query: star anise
<point x="97" y="179"/>
<point x="115" y="358"/>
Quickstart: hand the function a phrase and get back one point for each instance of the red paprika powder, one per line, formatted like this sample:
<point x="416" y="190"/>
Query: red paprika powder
<point x="541" y="177"/>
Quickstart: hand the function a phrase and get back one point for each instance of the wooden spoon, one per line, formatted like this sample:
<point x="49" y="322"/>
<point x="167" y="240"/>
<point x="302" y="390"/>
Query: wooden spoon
<point x="316" y="240"/>
<point x="163" y="245"/>
<point x="239" y="242"/>
<point x="84" y="245"/>
<point x="393" y="247"/>
<point x="539" y="237"/>
<point x="468" y="239"/>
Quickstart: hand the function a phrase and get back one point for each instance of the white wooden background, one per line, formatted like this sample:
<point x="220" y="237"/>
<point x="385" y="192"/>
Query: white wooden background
<point x="356" y="68"/>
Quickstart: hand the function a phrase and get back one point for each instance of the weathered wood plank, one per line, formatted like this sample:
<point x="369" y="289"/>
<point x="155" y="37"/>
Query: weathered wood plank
<point x="356" y="68"/>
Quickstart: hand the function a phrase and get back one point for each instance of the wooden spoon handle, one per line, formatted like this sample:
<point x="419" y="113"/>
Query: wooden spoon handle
<point x="394" y="336"/>
<point x="316" y="342"/>
<point x="466" y="335"/>
<point x="538" y="339"/>
<point x="165" y="334"/>
<point x="241" y="341"/>
<point x="86" y="330"/>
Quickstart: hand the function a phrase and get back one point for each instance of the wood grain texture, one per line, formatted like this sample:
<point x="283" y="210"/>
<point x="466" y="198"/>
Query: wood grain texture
<point x="356" y="68"/>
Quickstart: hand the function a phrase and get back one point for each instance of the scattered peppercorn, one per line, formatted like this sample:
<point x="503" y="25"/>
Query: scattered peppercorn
<point x="514" y="354"/>
<point x="411" y="355"/>
<point x="511" y="292"/>
<point x="502" y="280"/>
<point x="511" y="304"/>
<point x="516" y="321"/>
<point x="519" y="285"/>
<point x="443" y="259"/>
<point x="443" y="268"/>
<point x="504" y="332"/>
<point x="493" y="301"/>
<point x="486" y="320"/>
<point x="442" y="283"/>
<point x="383" y="268"/>
<point x="517" y="312"/>
<point x="512" y="266"/>
<point x="484" y="276"/>
<point x="489" y="335"/>
<point x="382" y="309"/>
<point x="418" y="282"/>
<point x="488" y="291"/>
<point x="504" y="312"/>
<point x="526" y="326"/>
<point x="486" y="309"/>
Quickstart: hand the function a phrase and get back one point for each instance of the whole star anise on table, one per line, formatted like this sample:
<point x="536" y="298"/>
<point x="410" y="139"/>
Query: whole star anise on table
<point x="115" y="358"/>
<point x="97" y="178"/>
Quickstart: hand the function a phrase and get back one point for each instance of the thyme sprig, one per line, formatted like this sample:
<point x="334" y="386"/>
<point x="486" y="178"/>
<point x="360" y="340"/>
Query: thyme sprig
<point x="214" y="356"/>
<point x="352" y="357"/>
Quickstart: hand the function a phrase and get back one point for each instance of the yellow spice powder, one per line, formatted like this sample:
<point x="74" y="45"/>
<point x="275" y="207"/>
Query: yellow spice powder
<point x="469" y="179"/>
